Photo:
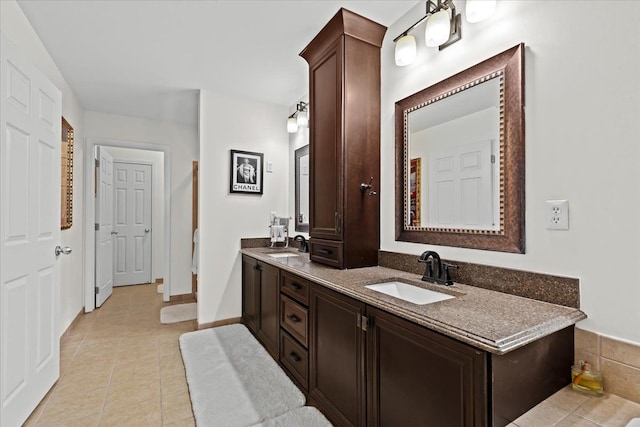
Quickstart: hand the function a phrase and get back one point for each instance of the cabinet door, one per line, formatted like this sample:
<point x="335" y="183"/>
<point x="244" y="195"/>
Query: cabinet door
<point x="337" y="381"/>
<point x="420" y="378"/>
<point x="269" y="302"/>
<point x="250" y="294"/>
<point x="325" y="144"/>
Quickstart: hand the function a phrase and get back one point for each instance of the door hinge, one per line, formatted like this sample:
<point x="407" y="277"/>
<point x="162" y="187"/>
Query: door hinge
<point x="493" y="158"/>
<point x="362" y="322"/>
<point x="97" y="163"/>
<point x="97" y="290"/>
<point x="97" y="226"/>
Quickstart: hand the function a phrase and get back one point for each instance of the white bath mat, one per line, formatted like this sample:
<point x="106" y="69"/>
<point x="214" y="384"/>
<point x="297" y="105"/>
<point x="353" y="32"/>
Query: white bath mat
<point x="232" y="379"/>
<point x="179" y="313"/>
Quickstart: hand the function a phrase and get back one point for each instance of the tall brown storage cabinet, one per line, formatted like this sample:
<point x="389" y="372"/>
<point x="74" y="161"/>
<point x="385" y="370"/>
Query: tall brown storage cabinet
<point x="344" y="146"/>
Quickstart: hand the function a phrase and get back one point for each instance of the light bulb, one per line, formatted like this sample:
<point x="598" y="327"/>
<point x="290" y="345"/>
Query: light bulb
<point x="478" y="10"/>
<point x="438" y="28"/>
<point x="302" y="120"/>
<point x="405" y="50"/>
<point x="292" y="125"/>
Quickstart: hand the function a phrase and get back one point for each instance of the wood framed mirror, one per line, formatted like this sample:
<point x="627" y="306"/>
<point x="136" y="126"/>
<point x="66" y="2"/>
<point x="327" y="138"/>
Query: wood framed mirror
<point x="460" y="158"/>
<point x="302" y="189"/>
<point x="66" y="153"/>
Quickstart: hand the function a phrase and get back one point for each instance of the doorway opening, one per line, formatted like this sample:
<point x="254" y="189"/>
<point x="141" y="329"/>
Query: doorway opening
<point x="155" y="158"/>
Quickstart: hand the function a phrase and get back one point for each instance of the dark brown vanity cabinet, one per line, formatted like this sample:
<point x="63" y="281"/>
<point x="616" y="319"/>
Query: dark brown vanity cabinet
<point x="344" y="141"/>
<point x="260" y="302"/>
<point x="337" y="377"/>
<point x="420" y="378"/>
<point x="372" y="368"/>
<point x="363" y="366"/>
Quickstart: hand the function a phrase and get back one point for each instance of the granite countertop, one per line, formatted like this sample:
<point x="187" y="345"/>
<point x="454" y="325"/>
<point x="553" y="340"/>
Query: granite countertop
<point x="489" y="320"/>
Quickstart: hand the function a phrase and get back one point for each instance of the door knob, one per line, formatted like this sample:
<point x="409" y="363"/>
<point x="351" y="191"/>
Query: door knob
<point x="114" y="232"/>
<point x="146" y="230"/>
<point x="60" y="250"/>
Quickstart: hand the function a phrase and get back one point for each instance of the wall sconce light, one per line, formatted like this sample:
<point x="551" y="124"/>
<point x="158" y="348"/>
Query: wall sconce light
<point x="300" y="118"/>
<point x="479" y="10"/>
<point x="443" y="28"/>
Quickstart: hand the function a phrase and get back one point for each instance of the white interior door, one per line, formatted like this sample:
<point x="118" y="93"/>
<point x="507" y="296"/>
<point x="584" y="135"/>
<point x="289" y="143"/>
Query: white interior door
<point x="104" y="226"/>
<point x="132" y="223"/>
<point x="30" y="121"/>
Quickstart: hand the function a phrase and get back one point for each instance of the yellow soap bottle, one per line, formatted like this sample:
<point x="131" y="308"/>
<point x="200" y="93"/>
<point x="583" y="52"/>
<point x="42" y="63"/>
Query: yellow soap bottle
<point x="585" y="380"/>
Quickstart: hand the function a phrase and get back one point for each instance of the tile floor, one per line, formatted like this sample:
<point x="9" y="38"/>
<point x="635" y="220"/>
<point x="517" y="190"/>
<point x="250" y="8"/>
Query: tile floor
<point x="121" y="367"/>
<point x="568" y="408"/>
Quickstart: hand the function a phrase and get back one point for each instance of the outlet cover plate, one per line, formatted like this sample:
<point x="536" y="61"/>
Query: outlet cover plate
<point x="557" y="215"/>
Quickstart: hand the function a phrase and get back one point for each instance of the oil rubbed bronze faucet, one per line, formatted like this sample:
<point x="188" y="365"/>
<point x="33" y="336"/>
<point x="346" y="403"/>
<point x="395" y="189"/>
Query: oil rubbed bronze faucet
<point x="303" y="243"/>
<point x="436" y="271"/>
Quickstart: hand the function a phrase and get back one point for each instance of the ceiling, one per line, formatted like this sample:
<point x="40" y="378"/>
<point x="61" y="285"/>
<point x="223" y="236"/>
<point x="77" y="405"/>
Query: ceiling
<point x="149" y="58"/>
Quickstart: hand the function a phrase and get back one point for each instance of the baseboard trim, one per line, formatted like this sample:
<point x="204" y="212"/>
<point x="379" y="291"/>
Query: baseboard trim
<point x="223" y="322"/>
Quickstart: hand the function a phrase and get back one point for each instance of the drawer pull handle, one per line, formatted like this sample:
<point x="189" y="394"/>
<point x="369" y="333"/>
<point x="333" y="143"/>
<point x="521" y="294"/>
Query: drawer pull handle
<point x="295" y="357"/>
<point x="293" y="318"/>
<point x="325" y="251"/>
<point x="295" y="286"/>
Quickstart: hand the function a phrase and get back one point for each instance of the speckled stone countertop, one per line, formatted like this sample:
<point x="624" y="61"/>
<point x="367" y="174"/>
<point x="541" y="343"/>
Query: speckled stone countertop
<point x="489" y="320"/>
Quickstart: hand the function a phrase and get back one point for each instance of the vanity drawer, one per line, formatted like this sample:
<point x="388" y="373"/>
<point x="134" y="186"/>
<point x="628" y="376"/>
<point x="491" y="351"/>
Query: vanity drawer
<point x="295" y="358"/>
<point x="294" y="286"/>
<point x="293" y="319"/>
<point x="326" y="252"/>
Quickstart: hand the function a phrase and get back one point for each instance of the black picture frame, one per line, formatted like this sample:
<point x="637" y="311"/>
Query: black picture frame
<point x="246" y="172"/>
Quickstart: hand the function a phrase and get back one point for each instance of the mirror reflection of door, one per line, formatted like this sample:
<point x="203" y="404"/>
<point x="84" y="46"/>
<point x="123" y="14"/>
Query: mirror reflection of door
<point x="456" y="139"/>
<point x="302" y="188"/>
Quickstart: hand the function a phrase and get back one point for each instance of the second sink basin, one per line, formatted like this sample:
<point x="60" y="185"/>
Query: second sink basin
<point x="410" y="293"/>
<point x="282" y="255"/>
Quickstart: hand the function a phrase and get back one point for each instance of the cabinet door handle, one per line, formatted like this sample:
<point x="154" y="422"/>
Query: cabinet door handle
<point x="325" y="251"/>
<point x="338" y="225"/>
<point x="295" y="357"/>
<point x="293" y="318"/>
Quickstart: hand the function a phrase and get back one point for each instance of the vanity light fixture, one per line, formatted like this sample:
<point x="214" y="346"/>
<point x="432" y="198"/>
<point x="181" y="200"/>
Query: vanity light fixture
<point x="479" y="10"/>
<point x="300" y="118"/>
<point x="443" y="28"/>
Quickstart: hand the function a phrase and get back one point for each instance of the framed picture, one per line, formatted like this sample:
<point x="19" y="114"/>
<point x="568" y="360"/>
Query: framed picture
<point x="245" y="172"/>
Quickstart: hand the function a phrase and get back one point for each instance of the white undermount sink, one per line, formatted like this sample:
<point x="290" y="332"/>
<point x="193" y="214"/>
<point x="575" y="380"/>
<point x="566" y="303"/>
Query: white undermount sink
<point x="410" y="293"/>
<point x="282" y="255"/>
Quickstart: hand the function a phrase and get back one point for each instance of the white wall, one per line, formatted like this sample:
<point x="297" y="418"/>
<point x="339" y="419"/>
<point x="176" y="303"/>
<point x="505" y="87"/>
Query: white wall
<point x="582" y="142"/>
<point x="232" y="123"/>
<point x="17" y="28"/>
<point x="183" y="141"/>
<point x="156" y="158"/>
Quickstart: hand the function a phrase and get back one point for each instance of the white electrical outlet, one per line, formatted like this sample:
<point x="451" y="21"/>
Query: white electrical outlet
<point x="557" y="215"/>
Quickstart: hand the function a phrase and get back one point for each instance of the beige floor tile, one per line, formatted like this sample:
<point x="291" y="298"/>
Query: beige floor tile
<point x="176" y="407"/>
<point x="64" y="405"/>
<point x="124" y="394"/>
<point x="609" y="410"/>
<point x="575" y="421"/>
<point x="88" y="421"/>
<point x="543" y="415"/>
<point x="185" y="422"/>
<point x="567" y="399"/>
<point x="125" y="372"/>
<point x="174" y="385"/>
<point x="146" y="413"/>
